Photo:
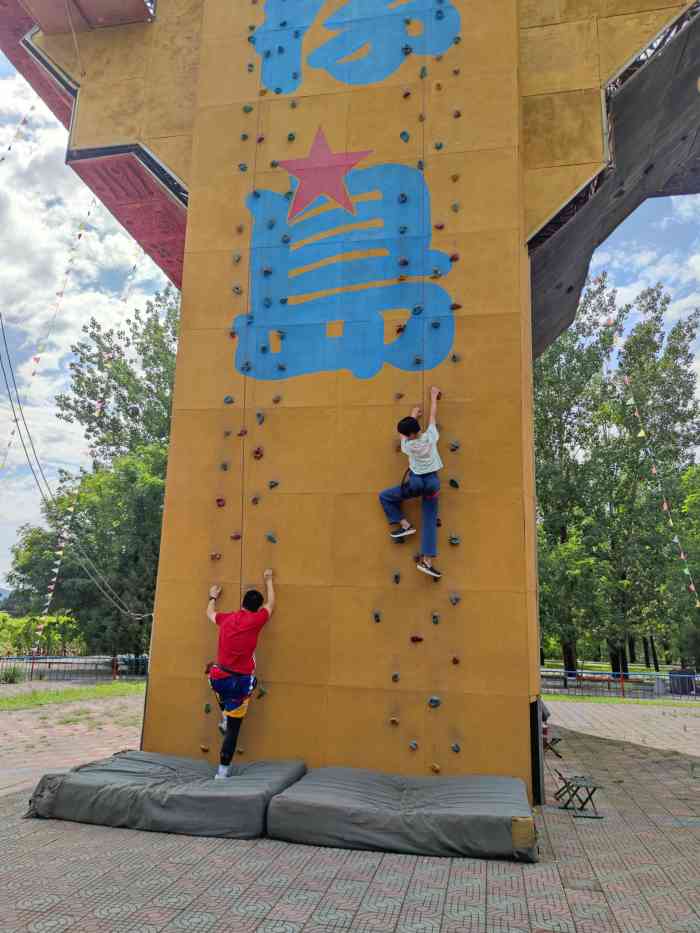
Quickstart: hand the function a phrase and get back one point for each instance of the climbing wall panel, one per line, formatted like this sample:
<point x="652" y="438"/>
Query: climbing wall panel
<point x="355" y="236"/>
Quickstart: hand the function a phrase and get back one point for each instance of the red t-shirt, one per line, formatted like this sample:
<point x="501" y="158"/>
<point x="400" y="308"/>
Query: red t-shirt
<point x="238" y="636"/>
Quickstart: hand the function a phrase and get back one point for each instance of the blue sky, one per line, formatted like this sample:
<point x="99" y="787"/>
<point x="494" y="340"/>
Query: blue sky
<point x="41" y="205"/>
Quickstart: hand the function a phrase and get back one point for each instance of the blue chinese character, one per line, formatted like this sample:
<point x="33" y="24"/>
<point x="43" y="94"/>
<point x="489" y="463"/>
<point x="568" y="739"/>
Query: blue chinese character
<point x="373" y="40"/>
<point x="279" y="40"/>
<point x="333" y="266"/>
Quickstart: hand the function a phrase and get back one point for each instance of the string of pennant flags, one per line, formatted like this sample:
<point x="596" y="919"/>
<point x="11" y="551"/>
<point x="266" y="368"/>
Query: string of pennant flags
<point x="53" y="318"/>
<point x="643" y="436"/>
<point x="63" y="535"/>
<point x="19" y="133"/>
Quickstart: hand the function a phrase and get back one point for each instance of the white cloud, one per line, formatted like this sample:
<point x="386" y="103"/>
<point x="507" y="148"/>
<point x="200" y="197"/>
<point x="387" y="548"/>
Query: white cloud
<point x="42" y="204"/>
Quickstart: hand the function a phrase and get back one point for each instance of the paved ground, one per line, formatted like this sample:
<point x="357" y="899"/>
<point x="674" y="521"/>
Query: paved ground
<point x="635" y="871"/>
<point x="60" y="736"/>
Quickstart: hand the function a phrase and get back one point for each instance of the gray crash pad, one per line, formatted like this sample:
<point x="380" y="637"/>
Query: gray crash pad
<point x="476" y="816"/>
<point x="141" y="790"/>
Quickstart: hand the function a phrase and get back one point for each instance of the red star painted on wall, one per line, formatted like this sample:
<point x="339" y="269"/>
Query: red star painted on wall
<point x="322" y="172"/>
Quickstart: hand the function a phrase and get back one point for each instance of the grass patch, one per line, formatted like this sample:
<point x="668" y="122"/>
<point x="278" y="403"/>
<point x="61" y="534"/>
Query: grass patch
<point x="39" y="698"/>
<point x="689" y="704"/>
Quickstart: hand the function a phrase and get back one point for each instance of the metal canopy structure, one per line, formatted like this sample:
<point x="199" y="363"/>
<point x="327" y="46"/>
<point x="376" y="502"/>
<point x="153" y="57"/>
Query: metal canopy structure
<point x="55" y="17"/>
<point x="654" y="129"/>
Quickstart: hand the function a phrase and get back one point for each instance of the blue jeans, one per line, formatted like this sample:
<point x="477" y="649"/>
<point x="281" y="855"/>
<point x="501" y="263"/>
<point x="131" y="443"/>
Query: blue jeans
<point x="427" y="487"/>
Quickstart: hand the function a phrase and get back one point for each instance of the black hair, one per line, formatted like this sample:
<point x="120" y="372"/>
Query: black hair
<point x="253" y="600"/>
<point x="408" y="426"/>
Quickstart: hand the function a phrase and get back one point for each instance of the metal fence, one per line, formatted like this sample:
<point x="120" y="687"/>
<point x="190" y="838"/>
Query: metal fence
<point x="22" y="668"/>
<point x="683" y="685"/>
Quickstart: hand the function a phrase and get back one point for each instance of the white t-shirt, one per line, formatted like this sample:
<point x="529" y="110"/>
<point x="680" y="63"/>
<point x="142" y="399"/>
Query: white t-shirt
<point x="422" y="452"/>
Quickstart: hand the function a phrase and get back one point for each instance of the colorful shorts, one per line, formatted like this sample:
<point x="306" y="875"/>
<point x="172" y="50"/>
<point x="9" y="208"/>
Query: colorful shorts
<point x="233" y="693"/>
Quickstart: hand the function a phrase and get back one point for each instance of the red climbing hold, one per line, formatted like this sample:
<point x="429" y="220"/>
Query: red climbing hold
<point x="258" y="453"/>
<point x="416" y="639"/>
<point x="221" y="502"/>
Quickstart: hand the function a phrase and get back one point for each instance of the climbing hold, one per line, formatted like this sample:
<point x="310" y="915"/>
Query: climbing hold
<point x="255" y="500"/>
<point x="455" y="660"/>
<point x="439" y="226"/>
<point x="247" y="108"/>
<point x="423" y="73"/>
<point x="400" y="328"/>
<point x="436" y="273"/>
<point x="456" y="114"/>
<point x="242" y="432"/>
<point x="236" y="258"/>
<point x="413" y="745"/>
<point x="281" y="367"/>
<point x="204" y="748"/>
<point x="436" y="769"/>
<point x="454" y="257"/>
<point x="236" y="289"/>
<point x="456" y="71"/>
<point x="215" y="556"/>
<point x="420" y="165"/>
<point x="251" y="67"/>
<point x="273" y="484"/>
<point x="294" y="104"/>
<point x="228" y="433"/>
<point x="455" y="540"/>
<point x="421" y="118"/>
<point x="434" y="702"/>
<point x="407" y="50"/>
<point x="438" y="522"/>
<point x="276" y="399"/>
<point x="207" y="707"/>
<point x="403" y="198"/>
<point x="394" y="721"/>
<point x="291" y="137"/>
<point x="274" y="163"/>
<point x="455" y="598"/>
<point x="403" y="262"/>
<point x="455" y="306"/>
<point x="454" y="483"/>
<point x="396" y="677"/>
<point x="438" y="146"/>
<point x="398" y="396"/>
<point x="417" y="310"/>
<point x="236" y="536"/>
<point x="455" y="177"/>
<point x="405" y="136"/>
<point x="454" y="207"/>
<point x="417" y="360"/>
<point x="416" y="639"/>
<point x="406" y="94"/>
<point x="403" y="229"/>
<point x="229" y="400"/>
<point x="258" y="453"/>
<point x="244" y="136"/>
<point x="435" y="325"/>
<point x="454" y="446"/>
<point x="456" y="748"/>
<point x="233" y="334"/>
<point x="397" y="577"/>
<point x="377" y="616"/>
<point x="267" y="272"/>
<point x="224" y="465"/>
<point x="261" y="692"/>
<point x="456" y="40"/>
<point x="260" y="417"/>
<point x="435" y="618"/>
<point x="455" y="358"/>
<point x="221" y="502"/>
<point x="271" y="537"/>
<point x="271" y="224"/>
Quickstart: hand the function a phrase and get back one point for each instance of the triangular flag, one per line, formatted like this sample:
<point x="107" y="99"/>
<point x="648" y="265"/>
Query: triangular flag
<point x="692" y="587"/>
<point x="670" y="521"/>
<point x="686" y="571"/>
<point x="676" y="539"/>
<point x="642" y="433"/>
<point x="664" y="505"/>
<point x="653" y="470"/>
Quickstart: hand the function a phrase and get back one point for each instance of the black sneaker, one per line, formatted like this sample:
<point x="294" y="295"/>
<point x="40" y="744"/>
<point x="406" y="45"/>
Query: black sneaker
<point x="427" y="568"/>
<point x="401" y="532"/>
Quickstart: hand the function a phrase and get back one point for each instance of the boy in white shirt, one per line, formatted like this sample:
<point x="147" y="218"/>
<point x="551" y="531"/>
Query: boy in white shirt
<point x="421" y="479"/>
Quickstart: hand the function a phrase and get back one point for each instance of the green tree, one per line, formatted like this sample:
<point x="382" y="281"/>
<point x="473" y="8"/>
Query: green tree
<point x="567" y="383"/>
<point x="121" y="381"/>
<point x="110" y="556"/>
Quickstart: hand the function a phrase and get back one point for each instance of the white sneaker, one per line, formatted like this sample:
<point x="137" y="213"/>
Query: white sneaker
<point x="223" y="773"/>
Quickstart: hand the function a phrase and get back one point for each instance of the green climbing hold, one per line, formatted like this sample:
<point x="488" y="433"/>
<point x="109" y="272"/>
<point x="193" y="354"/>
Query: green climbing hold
<point x="207" y="707"/>
<point x="247" y="108"/>
<point x="291" y="137"/>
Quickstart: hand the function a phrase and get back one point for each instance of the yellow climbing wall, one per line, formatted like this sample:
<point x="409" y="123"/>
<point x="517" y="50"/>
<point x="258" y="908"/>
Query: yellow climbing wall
<point x="476" y="120"/>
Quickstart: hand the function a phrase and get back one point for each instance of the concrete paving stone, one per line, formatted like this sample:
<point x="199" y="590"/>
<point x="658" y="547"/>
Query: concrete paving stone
<point x="278" y="926"/>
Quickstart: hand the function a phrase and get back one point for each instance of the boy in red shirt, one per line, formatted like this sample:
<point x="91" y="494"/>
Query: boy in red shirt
<point x="233" y="676"/>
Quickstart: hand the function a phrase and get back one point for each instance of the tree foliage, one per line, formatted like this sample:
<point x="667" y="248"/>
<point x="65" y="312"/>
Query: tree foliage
<point x="615" y="437"/>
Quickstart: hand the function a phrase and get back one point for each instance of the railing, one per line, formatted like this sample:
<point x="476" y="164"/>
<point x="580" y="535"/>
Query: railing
<point x="675" y="684"/>
<point x="36" y="667"/>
